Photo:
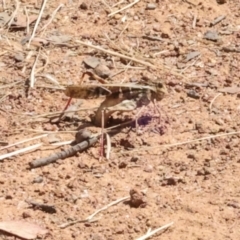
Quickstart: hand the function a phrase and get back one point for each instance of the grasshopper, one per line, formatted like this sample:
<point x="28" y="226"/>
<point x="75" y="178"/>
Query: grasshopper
<point x="118" y="97"/>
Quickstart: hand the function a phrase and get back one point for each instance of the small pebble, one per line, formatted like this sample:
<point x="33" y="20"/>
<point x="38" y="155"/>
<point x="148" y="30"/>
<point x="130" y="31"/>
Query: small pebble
<point x="148" y="168"/>
<point x="211" y="35"/>
<point x="92" y="62"/>
<point x="38" y="179"/>
<point x="83" y="6"/>
<point x="102" y="71"/>
<point x="150" y="6"/>
<point x="157" y="27"/>
<point x="19" y="57"/>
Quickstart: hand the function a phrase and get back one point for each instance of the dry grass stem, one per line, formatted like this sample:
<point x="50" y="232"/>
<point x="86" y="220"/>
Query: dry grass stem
<point x="211" y="103"/>
<point x="51" y="19"/>
<point x="117" y="54"/>
<point x="23" y="150"/>
<point x="23" y="141"/>
<point x="61" y="143"/>
<point x="10" y="85"/>
<point x="37" y="22"/>
<point x="32" y="75"/>
<point x="51" y="114"/>
<point x="120" y="2"/>
<point x="150" y="233"/>
<point x="124" y="8"/>
<point x="194" y="20"/>
<point x="90" y="218"/>
<point x="52" y="79"/>
<point x="104" y="2"/>
<point x="183" y="143"/>
<point x="191" y="64"/>
<point x="44" y="66"/>
<point x="108" y="146"/>
<point x="14" y="14"/>
<point x="27" y="16"/>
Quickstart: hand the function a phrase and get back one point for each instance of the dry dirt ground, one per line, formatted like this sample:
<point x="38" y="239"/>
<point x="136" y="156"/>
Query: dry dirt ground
<point x="184" y="165"/>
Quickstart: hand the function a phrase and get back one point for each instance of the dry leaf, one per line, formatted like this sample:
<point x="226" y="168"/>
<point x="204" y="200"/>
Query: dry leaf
<point x="231" y="90"/>
<point x="22" y="229"/>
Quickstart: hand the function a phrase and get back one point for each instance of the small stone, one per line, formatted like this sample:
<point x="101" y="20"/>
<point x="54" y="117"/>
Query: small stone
<point x="83" y="6"/>
<point x="102" y="71"/>
<point x="19" y="57"/>
<point x="92" y="62"/>
<point x="181" y="65"/>
<point x="191" y="55"/>
<point x="148" y="168"/>
<point x="26" y="215"/>
<point x="122" y="165"/>
<point x="221" y="1"/>
<point x="150" y="6"/>
<point x="157" y="27"/>
<point x="38" y="179"/>
<point x="211" y="35"/>
<point x="137" y="198"/>
<point x="193" y="94"/>
<point x="134" y="159"/>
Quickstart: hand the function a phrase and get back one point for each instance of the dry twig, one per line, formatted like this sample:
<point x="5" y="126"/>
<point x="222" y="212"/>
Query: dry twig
<point x="210" y="106"/>
<point x="183" y="143"/>
<point x="150" y="233"/>
<point x="117" y="54"/>
<point x="32" y="77"/>
<point x="23" y="141"/>
<point x="30" y="148"/>
<point x="124" y="8"/>
<point x="14" y="14"/>
<point x="37" y="22"/>
<point x="90" y="218"/>
<point x="51" y="19"/>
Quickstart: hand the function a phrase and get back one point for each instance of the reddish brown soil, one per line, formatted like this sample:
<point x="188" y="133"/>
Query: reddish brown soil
<point x="195" y="185"/>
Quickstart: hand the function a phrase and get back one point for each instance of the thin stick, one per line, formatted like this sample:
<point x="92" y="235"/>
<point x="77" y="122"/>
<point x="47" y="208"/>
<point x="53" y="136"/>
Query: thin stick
<point x="37" y="22"/>
<point x="11" y="84"/>
<point x="32" y="78"/>
<point x="61" y="143"/>
<point x="57" y="113"/>
<point x="104" y="2"/>
<point x="51" y="19"/>
<point x="150" y="233"/>
<point x="23" y="141"/>
<point x="120" y="2"/>
<point x="108" y="146"/>
<point x="14" y="14"/>
<point x="211" y="103"/>
<point x="186" y="142"/>
<point x="90" y="218"/>
<point x="194" y="20"/>
<point x="20" y="151"/>
<point x="27" y="16"/>
<point x="117" y="54"/>
<point x="124" y="8"/>
<point x="44" y="66"/>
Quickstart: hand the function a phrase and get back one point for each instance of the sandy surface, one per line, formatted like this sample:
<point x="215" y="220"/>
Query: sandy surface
<point x="183" y="166"/>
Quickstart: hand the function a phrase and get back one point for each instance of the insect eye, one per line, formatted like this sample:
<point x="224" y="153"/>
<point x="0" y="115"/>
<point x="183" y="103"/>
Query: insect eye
<point x="160" y="85"/>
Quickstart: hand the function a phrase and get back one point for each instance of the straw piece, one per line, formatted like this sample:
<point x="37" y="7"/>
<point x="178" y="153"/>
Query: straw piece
<point x="20" y="151"/>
